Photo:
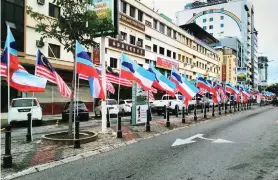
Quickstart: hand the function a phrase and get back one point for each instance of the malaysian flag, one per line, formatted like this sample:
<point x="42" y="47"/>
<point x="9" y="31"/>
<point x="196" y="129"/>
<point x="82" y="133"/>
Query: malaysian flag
<point x="202" y="91"/>
<point x="222" y="93"/>
<point x="45" y="70"/>
<point x="151" y="97"/>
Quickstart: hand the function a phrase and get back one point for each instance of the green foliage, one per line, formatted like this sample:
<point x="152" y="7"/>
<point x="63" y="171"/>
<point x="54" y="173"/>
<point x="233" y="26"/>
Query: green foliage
<point x="72" y="24"/>
<point x="273" y="88"/>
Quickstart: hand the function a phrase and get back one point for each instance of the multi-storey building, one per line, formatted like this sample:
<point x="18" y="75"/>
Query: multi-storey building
<point x="144" y="35"/>
<point x="263" y="70"/>
<point x="224" y="18"/>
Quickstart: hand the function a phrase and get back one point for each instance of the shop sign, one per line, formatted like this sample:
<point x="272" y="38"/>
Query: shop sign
<point x="166" y="63"/>
<point x="126" y="47"/>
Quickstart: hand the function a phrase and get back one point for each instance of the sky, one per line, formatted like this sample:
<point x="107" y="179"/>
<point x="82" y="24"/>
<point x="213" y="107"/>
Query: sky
<point x="265" y="22"/>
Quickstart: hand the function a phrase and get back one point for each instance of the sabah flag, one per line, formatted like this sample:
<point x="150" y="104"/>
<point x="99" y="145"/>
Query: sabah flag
<point x="231" y="89"/>
<point x="132" y="71"/>
<point x="202" y="83"/>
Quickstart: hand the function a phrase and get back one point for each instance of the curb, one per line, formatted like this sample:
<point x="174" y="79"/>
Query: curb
<point x="103" y="149"/>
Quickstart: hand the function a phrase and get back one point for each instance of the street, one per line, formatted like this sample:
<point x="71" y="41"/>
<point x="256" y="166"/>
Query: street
<point x="241" y="146"/>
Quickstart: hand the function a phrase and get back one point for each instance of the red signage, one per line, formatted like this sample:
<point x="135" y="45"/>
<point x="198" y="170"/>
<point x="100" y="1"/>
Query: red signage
<point x="224" y="69"/>
<point x="96" y="56"/>
<point x="166" y="64"/>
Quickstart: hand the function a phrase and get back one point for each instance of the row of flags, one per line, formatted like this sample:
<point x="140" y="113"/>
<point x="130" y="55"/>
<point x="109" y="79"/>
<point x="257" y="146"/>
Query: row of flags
<point x="149" y="79"/>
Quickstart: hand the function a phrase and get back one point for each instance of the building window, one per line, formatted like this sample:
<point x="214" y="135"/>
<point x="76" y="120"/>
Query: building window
<point x="162" y="28"/>
<point x="222" y="25"/>
<point x="123" y="7"/>
<point x="140" y="15"/>
<point x="147" y="37"/>
<point x="197" y="63"/>
<point x="113" y="62"/>
<point x="174" y="34"/>
<point x="183" y="58"/>
<point x="161" y="50"/>
<point x="210" y="19"/>
<point x="182" y="39"/>
<point x="132" y="11"/>
<point x="169" y="53"/>
<point x="132" y="39"/>
<point x="203" y="65"/>
<point x="124" y="35"/>
<point x="54" y="11"/>
<point x="179" y="57"/>
<point x="140" y="42"/>
<point x="190" y="61"/>
<point x="210" y="26"/>
<point x="149" y="48"/>
<point x="169" y="32"/>
<point x="204" y="20"/>
<point x="204" y="27"/>
<point x="154" y="24"/>
<point x="174" y="55"/>
<point x="222" y="17"/>
<point x="210" y="11"/>
<point x="155" y="48"/>
<point x="186" y="59"/>
<point x="54" y="51"/>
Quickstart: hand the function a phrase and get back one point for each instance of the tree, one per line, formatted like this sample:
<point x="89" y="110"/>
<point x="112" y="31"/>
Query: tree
<point x="75" y="22"/>
<point x="273" y="88"/>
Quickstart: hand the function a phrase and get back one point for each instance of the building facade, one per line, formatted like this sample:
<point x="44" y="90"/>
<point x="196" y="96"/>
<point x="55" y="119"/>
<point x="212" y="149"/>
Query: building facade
<point x="144" y="35"/>
<point x="263" y="70"/>
<point x="227" y="18"/>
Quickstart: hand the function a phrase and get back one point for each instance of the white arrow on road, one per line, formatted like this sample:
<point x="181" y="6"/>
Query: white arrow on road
<point x="200" y="136"/>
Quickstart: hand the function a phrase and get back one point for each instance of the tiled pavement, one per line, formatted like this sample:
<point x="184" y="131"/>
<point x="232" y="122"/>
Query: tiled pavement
<point x="26" y="155"/>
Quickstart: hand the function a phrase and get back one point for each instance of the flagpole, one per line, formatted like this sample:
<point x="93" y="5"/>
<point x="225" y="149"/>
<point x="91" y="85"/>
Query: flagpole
<point x="52" y="97"/>
<point x="103" y="74"/>
<point x="8" y="68"/>
<point x="74" y="95"/>
<point x="78" y="91"/>
<point x="119" y="84"/>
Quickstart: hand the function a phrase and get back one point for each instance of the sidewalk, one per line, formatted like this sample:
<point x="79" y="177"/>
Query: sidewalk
<point x="26" y="155"/>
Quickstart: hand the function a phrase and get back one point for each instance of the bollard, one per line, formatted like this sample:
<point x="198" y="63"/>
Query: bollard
<point x="119" y="130"/>
<point x="28" y="135"/>
<point x="244" y="106"/>
<point x="7" y="157"/>
<point x="237" y="106"/>
<point x="183" y="115"/>
<point x="241" y="106"/>
<point x="148" y="127"/>
<point x="225" y="107"/>
<point x="177" y="111"/>
<point x="231" y="107"/>
<point x="213" y="110"/>
<point x="205" y="112"/>
<point x="219" y="106"/>
<point x="108" y="118"/>
<point x="168" y="119"/>
<point x="208" y="106"/>
<point x="234" y="106"/>
<point x="151" y="116"/>
<point x="186" y="110"/>
<point x="76" y="140"/>
<point x="165" y="112"/>
<point x="195" y="112"/>
<point x="250" y="104"/>
<point x="202" y="107"/>
<point x="189" y="108"/>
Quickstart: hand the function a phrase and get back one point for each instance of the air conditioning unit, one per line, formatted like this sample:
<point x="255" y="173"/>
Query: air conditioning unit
<point x="39" y="43"/>
<point x="41" y="2"/>
<point x="139" y="43"/>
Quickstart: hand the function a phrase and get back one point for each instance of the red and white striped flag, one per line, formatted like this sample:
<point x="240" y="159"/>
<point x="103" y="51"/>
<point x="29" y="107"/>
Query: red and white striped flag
<point x="202" y="91"/>
<point x="151" y="96"/>
<point x="3" y="69"/>
<point x="45" y="70"/>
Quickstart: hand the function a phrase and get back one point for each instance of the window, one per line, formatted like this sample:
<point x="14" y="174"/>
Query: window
<point x="169" y="53"/>
<point x="174" y="55"/>
<point x="123" y="7"/>
<point x="124" y="35"/>
<point x="210" y="19"/>
<point x="183" y="59"/>
<point x="141" y="42"/>
<point x="186" y="59"/>
<point x="54" y="51"/>
<point x="174" y="34"/>
<point x="222" y="25"/>
<point x="113" y="62"/>
<point x="162" y="28"/>
<point x="154" y="24"/>
<point x="54" y="11"/>
<point x="147" y="37"/>
<point x="169" y="31"/>
<point x="155" y="48"/>
<point x="210" y="11"/>
<point x="179" y="57"/>
<point x="197" y="63"/>
<point x="222" y="17"/>
<point x="210" y="26"/>
<point x="204" y="27"/>
<point x="149" y="48"/>
<point x="161" y="50"/>
<point x="204" y="20"/>
<point x="132" y="39"/>
<point x="132" y="11"/>
<point x="140" y="15"/>
<point x="203" y="65"/>
<point x="183" y="39"/>
<point x="190" y="61"/>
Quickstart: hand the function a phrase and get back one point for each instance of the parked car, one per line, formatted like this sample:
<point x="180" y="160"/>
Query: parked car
<point x="20" y="107"/>
<point x="171" y="103"/>
<point x="78" y="106"/>
<point x="111" y="104"/>
<point x="125" y="106"/>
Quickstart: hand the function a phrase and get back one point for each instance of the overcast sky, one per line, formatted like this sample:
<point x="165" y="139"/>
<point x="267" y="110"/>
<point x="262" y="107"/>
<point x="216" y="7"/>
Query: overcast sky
<point x="265" y="22"/>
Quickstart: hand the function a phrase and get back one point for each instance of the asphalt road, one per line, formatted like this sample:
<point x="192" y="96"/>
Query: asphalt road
<point x="252" y="156"/>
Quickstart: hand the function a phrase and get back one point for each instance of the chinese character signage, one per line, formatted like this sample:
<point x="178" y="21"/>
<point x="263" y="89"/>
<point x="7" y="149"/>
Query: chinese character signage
<point x="224" y="72"/>
<point x="241" y="74"/>
<point x="126" y="47"/>
<point x="96" y="55"/>
<point x="107" y="13"/>
<point x="132" y="22"/>
<point x="166" y="63"/>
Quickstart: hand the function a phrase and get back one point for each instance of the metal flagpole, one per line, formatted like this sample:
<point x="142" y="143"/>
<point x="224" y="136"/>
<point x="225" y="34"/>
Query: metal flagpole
<point x="103" y="74"/>
<point x="52" y="97"/>
<point x="74" y="95"/>
<point x="8" y="67"/>
<point x="77" y="98"/>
